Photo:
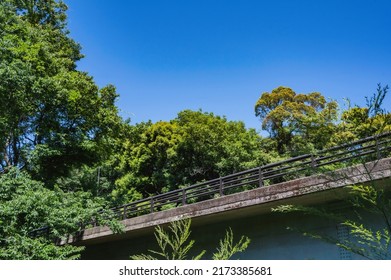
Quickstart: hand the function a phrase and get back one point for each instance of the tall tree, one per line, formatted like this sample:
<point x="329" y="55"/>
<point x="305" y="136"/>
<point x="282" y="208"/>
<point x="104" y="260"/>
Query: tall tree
<point x="52" y="115"/>
<point x="286" y="115"/>
<point x="42" y="12"/>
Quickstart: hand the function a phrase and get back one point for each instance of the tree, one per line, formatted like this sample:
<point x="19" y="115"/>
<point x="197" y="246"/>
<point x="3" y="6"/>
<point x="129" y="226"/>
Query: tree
<point x="145" y="161"/>
<point x="194" y="147"/>
<point x="294" y="120"/>
<point x="55" y="123"/>
<point x="360" y="122"/>
<point x="42" y="12"/>
<point x="212" y="146"/>
<point x="27" y="205"/>
<point x="52" y="117"/>
<point x="174" y="244"/>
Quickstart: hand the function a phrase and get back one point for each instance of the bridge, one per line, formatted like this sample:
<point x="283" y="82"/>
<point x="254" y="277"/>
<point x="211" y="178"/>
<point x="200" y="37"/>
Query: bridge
<point x="244" y="201"/>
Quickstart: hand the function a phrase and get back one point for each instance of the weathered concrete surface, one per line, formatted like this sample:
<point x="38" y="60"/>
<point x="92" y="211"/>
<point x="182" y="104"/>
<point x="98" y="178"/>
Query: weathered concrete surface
<point x="309" y="190"/>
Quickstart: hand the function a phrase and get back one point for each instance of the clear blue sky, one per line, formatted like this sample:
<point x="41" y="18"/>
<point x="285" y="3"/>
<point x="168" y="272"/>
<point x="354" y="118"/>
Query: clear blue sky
<point x="220" y="55"/>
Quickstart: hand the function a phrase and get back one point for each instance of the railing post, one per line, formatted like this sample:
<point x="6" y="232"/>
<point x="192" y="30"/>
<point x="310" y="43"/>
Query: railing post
<point x="183" y="197"/>
<point x="94" y="222"/>
<point x="313" y="161"/>
<point x="124" y="214"/>
<point x="260" y="174"/>
<point x="152" y="204"/>
<point x="378" y="155"/>
<point x="221" y="187"/>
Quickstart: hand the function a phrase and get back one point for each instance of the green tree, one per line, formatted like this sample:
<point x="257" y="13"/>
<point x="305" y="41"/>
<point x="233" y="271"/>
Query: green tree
<point x="145" y="160"/>
<point x="194" y="147"/>
<point x="297" y="122"/>
<point x="57" y="126"/>
<point x="26" y="205"/>
<point x="42" y="12"/>
<point x="212" y="146"/>
<point x="360" y="122"/>
<point x="52" y="117"/>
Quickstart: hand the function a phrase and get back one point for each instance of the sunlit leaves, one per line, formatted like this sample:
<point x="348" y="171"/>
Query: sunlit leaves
<point x="294" y="119"/>
<point x="44" y="101"/>
<point x="195" y="146"/>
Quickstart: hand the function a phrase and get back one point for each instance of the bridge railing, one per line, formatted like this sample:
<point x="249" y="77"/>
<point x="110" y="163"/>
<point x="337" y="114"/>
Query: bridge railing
<point x="360" y="151"/>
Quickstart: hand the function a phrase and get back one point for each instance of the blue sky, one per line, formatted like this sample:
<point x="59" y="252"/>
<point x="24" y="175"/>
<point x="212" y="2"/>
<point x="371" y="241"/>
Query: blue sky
<point x="220" y="56"/>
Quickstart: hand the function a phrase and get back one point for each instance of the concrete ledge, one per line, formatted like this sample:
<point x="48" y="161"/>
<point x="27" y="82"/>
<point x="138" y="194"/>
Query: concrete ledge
<point x="312" y="189"/>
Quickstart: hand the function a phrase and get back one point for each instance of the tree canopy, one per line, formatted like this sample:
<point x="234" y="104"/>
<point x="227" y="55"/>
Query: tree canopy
<point x="296" y="119"/>
<point x="53" y="119"/>
<point x="194" y="147"/>
<point x="360" y="122"/>
<point x="52" y="116"/>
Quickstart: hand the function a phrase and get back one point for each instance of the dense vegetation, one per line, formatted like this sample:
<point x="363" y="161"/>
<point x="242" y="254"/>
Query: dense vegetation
<point x="66" y="153"/>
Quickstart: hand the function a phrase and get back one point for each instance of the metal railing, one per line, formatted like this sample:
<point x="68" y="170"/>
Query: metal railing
<point x="363" y="150"/>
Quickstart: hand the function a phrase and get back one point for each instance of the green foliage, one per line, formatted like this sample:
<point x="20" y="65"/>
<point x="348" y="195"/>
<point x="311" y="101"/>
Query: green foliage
<point x="52" y="117"/>
<point x="174" y="244"/>
<point x="228" y="248"/>
<point x="43" y="12"/>
<point x="26" y="205"/>
<point x="21" y="247"/>
<point x="304" y="123"/>
<point x="194" y="147"/>
<point x="375" y="102"/>
<point x="360" y="122"/>
<point x="213" y="146"/>
<point x="366" y="239"/>
<point x="296" y="120"/>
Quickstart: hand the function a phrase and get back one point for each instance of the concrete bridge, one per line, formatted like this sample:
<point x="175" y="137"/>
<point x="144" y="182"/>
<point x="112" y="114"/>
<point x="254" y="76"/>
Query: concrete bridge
<point x="243" y="201"/>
